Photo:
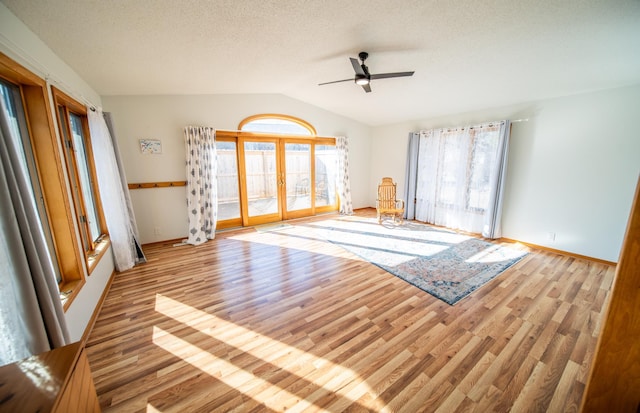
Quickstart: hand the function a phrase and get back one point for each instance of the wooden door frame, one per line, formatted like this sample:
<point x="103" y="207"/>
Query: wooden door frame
<point x="240" y="137"/>
<point x="244" y="198"/>
<point x="614" y="379"/>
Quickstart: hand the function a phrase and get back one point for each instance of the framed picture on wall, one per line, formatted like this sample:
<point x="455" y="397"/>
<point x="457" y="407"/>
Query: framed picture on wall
<point x="150" y="146"/>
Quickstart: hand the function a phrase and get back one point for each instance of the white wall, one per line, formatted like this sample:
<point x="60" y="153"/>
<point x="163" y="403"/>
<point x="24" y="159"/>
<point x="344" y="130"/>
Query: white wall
<point x="23" y="46"/>
<point x="573" y="167"/>
<point x="164" y="118"/>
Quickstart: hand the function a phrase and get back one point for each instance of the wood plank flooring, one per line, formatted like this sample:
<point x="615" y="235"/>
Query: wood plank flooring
<point x="274" y="321"/>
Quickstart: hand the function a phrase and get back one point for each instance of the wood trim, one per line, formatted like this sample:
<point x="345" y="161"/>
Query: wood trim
<point x="146" y="185"/>
<point x="73" y="105"/>
<point x="71" y="289"/>
<point x="96" y="310"/>
<point x="615" y="376"/>
<point x="16" y="73"/>
<point x="571" y="254"/>
<point x="46" y="151"/>
<point x="100" y="248"/>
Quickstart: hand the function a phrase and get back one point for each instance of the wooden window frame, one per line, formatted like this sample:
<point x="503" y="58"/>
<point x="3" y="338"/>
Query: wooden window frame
<point x="233" y="222"/>
<point x="49" y="166"/>
<point x="94" y="249"/>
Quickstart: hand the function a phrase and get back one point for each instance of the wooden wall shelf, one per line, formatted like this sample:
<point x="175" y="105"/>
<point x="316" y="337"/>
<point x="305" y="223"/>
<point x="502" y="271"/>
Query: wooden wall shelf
<point x="146" y="185"/>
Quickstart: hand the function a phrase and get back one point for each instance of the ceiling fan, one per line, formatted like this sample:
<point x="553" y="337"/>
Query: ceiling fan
<point x="363" y="77"/>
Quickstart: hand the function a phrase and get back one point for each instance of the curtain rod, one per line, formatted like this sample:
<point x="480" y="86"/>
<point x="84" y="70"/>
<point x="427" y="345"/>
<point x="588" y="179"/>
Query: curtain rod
<point x="44" y="71"/>
<point x="481" y="125"/>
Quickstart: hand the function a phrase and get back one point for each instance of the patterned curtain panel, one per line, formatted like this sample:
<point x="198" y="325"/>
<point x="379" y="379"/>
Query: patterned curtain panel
<point x="202" y="186"/>
<point x="344" y="185"/>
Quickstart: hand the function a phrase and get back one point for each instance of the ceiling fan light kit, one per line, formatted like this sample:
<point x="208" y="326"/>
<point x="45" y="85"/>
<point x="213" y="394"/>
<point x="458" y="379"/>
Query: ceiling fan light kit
<point x="362" y="80"/>
<point x="363" y="77"/>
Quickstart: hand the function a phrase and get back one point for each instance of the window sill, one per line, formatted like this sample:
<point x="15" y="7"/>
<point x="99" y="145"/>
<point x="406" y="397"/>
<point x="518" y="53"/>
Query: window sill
<point x="94" y="258"/>
<point x="69" y="291"/>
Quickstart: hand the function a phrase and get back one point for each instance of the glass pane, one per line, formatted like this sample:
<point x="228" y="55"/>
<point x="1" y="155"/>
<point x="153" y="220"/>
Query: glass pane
<point x="279" y="126"/>
<point x="12" y="116"/>
<point x="72" y="178"/>
<point x="261" y="178"/>
<point x="85" y="175"/>
<point x="326" y="174"/>
<point x="298" y="164"/>
<point x="228" y="194"/>
<point x="14" y="113"/>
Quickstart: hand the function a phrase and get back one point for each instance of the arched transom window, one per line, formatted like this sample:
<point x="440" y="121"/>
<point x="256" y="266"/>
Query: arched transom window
<point x="280" y="124"/>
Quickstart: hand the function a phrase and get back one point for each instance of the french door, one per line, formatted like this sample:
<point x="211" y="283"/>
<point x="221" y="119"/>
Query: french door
<point x="277" y="178"/>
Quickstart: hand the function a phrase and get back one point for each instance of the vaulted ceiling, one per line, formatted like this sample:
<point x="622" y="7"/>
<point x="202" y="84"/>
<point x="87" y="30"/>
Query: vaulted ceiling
<point x="467" y="55"/>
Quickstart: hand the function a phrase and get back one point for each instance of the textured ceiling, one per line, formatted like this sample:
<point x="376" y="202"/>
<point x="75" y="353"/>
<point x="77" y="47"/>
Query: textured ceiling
<point x="467" y="54"/>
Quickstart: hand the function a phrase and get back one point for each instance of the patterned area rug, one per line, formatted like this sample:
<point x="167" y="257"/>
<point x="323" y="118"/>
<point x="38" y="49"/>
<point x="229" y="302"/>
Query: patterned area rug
<point x="446" y="264"/>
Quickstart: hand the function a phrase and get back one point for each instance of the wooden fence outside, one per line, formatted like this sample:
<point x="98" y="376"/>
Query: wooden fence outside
<point x="261" y="173"/>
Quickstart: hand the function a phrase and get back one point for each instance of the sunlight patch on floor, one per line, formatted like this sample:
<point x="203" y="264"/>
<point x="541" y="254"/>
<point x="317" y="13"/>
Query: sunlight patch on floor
<point x="409" y="230"/>
<point x="496" y="253"/>
<point x="322" y="375"/>
<point x="296" y="238"/>
<point x="221" y="369"/>
<point x="403" y="250"/>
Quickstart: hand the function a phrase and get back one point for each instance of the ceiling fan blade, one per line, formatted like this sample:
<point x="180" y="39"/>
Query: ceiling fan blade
<point x="356" y="66"/>
<point x="367" y="88"/>
<point x="336" y="81"/>
<point x="388" y="75"/>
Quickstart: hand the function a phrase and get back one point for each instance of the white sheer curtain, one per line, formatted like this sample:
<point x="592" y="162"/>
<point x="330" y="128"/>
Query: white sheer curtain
<point x="31" y="315"/>
<point x="202" y="185"/>
<point x="125" y="188"/>
<point x="114" y="201"/>
<point x="460" y="177"/>
<point x="344" y="184"/>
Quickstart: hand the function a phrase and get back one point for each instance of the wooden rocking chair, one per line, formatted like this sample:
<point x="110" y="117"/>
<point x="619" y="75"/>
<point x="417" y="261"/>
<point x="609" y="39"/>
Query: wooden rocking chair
<point x="387" y="204"/>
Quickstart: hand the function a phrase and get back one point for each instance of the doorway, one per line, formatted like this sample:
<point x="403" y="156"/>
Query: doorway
<point x="275" y="179"/>
<point x="268" y="178"/>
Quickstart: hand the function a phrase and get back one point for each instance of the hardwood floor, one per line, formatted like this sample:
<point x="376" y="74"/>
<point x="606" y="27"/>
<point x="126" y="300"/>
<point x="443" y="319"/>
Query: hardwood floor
<point x="273" y="321"/>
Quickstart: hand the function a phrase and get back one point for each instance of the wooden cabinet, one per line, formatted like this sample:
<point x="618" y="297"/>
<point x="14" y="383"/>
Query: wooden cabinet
<point x="56" y="381"/>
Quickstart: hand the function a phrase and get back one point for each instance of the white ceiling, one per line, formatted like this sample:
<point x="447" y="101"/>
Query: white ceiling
<point x="467" y="54"/>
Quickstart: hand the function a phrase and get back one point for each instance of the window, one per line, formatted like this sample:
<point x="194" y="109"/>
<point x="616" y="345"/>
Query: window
<point x="27" y="100"/>
<point x="275" y="167"/>
<point x="456" y="174"/>
<point x="279" y="124"/>
<point x="228" y="192"/>
<point x="475" y="149"/>
<point x="14" y="112"/>
<point x="326" y="168"/>
<point x="485" y="148"/>
<point x="74" y="132"/>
